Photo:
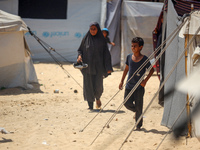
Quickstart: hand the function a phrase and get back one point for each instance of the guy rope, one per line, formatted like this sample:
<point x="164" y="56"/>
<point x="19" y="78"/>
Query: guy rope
<point x="131" y="92"/>
<point x="48" y="49"/>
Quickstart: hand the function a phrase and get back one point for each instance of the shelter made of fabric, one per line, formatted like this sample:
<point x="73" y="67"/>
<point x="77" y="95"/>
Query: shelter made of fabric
<point x="176" y="102"/>
<point x="191" y="87"/>
<point x="65" y="34"/>
<point x="16" y="67"/>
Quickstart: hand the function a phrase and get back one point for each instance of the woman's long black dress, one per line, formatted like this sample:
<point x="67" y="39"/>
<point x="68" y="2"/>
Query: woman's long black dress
<point x="95" y="53"/>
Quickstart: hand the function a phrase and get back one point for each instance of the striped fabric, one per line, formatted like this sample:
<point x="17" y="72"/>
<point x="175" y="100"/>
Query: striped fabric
<point x="181" y="7"/>
<point x="184" y="6"/>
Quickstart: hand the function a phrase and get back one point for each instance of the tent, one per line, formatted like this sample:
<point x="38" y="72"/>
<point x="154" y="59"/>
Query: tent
<point x="65" y="31"/>
<point x="192" y="62"/>
<point x="127" y="19"/>
<point x="62" y="24"/>
<point x="174" y="103"/>
<point x="16" y="67"/>
<point x="138" y="19"/>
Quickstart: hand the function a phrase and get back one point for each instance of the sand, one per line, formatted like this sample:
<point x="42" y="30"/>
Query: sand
<point x="40" y="119"/>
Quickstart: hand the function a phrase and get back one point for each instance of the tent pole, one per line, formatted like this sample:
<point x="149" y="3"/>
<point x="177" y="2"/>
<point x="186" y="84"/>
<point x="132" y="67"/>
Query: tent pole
<point x="188" y="103"/>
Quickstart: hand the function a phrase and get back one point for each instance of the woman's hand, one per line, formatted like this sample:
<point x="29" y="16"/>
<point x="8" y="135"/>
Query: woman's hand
<point x="79" y="59"/>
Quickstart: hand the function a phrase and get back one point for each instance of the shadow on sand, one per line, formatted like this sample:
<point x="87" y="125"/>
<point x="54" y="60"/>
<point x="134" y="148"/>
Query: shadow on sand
<point x="5" y="140"/>
<point x="106" y="111"/>
<point x="18" y="91"/>
<point x="153" y="131"/>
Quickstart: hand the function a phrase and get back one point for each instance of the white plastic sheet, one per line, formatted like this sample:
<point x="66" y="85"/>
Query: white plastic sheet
<point x="64" y="35"/>
<point x="138" y="19"/>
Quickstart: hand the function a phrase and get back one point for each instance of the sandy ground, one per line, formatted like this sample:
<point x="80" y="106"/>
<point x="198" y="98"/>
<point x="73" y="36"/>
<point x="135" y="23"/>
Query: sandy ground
<point x="43" y="120"/>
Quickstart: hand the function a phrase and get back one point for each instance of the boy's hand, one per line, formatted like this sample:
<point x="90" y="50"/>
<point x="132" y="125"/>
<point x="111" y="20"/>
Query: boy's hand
<point x="143" y="83"/>
<point x="121" y="85"/>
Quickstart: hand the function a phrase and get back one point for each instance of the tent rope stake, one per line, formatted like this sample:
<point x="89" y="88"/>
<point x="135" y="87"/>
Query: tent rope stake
<point x="45" y="46"/>
<point x="167" y="77"/>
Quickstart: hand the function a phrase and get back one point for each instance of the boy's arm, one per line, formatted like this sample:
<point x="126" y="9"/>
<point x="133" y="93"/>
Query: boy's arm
<point x="143" y="83"/>
<point x="123" y="77"/>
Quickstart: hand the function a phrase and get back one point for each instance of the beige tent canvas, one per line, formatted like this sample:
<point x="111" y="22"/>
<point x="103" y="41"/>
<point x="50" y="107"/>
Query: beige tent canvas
<point x="16" y="67"/>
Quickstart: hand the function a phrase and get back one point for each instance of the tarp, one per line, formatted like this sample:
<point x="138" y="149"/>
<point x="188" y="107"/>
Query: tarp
<point x="113" y="23"/>
<point x="138" y="19"/>
<point x="174" y="103"/>
<point x="192" y="84"/>
<point x="64" y="35"/>
<point x="16" y="67"/>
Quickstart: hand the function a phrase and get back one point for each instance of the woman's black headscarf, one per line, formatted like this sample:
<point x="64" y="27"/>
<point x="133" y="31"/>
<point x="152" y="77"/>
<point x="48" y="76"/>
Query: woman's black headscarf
<point x="95" y="53"/>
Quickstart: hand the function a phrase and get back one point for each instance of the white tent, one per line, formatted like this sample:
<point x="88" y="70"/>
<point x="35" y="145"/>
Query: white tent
<point x="66" y="34"/>
<point x="127" y="19"/>
<point x="63" y="34"/>
<point x="138" y="19"/>
<point x="16" y="67"/>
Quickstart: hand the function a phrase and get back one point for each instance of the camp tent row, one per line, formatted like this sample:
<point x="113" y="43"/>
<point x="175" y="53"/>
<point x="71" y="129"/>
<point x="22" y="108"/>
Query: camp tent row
<point x="16" y="67"/>
<point x="172" y="18"/>
<point x="125" y="19"/>
<point x="128" y="19"/>
<point x="65" y="34"/>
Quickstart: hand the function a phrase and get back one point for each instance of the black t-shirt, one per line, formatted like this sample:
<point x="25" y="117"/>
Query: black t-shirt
<point x="133" y="66"/>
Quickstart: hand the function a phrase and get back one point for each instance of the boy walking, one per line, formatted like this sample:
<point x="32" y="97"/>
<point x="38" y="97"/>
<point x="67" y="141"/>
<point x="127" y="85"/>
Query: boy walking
<point x="133" y="62"/>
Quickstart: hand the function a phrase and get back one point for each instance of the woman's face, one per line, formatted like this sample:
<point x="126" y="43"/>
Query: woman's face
<point x="93" y="30"/>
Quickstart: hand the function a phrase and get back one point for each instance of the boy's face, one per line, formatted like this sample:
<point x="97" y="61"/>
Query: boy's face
<point x="104" y="33"/>
<point x="93" y="30"/>
<point x="136" y="48"/>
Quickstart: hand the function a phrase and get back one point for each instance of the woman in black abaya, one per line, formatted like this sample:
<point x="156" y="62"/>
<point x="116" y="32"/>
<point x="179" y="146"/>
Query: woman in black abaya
<point x="94" y="52"/>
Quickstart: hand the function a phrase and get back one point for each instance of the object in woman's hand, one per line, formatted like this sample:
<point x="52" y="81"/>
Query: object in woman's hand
<point x="80" y="65"/>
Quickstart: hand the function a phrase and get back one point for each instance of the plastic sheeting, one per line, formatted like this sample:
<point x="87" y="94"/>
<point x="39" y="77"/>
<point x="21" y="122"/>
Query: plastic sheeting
<point x="175" y="102"/>
<point x="113" y="25"/>
<point x="64" y="35"/>
<point x="138" y="19"/>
